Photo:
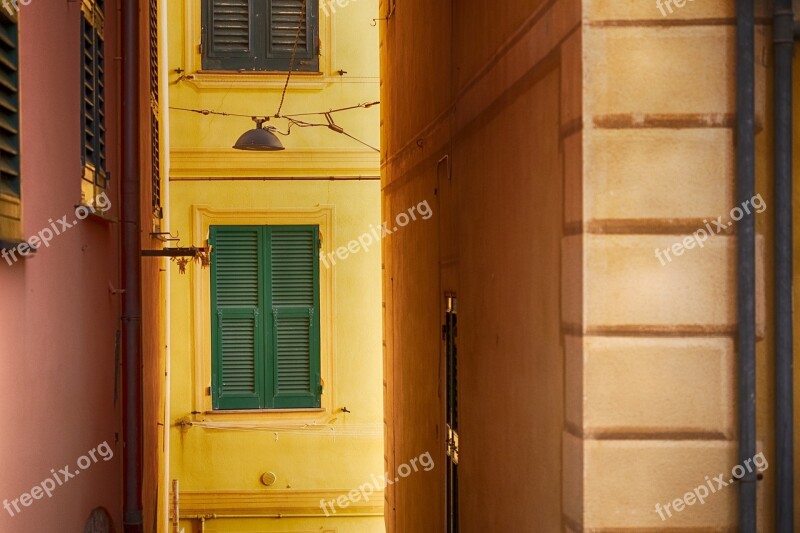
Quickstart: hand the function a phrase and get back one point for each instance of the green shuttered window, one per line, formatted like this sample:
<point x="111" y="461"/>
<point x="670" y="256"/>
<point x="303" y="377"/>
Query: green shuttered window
<point x="10" y="226"/>
<point x="259" y="35"/>
<point x="265" y="317"/>
<point x="93" y="155"/>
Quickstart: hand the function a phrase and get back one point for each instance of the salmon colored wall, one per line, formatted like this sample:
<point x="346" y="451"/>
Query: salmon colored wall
<point x="58" y="319"/>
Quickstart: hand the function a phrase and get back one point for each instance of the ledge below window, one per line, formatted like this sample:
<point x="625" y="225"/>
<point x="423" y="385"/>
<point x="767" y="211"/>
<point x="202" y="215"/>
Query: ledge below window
<point x="12" y="244"/>
<point x="98" y="216"/>
<point x="264" y="411"/>
<point x="297" y="418"/>
<point x="301" y="81"/>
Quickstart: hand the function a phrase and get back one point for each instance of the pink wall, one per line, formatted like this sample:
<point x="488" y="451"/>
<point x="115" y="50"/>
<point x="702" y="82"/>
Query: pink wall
<point x="57" y="317"/>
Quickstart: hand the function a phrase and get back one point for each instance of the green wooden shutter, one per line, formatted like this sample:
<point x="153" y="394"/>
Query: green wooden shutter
<point x="237" y="319"/>
<point x="294" y="320"/>
<point x="284" y="18"/>
<point x="10" y="225"/>
<point x="229" y="27"/>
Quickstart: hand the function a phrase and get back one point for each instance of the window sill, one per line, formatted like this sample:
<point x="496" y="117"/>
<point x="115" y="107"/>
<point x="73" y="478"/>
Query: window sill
<point x="11" y="244"/>
<point x="102" y="219"/>
<point x="301" y="81"/>
<point x="298" y="418"/>
<point x="278" y="74"/>
<point x="97" y="216"/>
<point x="265" y="411"/>
<point x="12" y="254"/>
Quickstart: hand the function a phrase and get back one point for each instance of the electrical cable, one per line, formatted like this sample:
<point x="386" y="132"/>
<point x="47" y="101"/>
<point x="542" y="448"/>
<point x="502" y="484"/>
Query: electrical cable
<point x="330" y="124"/>
<point x="292" y="119"/>
<point x="300" y="25"/>
<point x="320" y="113"/>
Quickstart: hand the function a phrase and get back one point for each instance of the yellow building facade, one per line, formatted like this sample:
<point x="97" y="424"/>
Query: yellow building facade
<point x="266" y="466"/>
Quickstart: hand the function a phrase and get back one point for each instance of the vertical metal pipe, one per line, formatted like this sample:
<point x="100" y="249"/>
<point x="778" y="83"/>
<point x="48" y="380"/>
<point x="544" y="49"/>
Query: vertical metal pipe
<point x="745" y="190"/>
<point x="783" y="32"/>
<point x="131" y="271"/>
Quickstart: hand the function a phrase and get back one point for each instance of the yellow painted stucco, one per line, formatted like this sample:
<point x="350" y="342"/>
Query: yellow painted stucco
<point x="321" y="178"/>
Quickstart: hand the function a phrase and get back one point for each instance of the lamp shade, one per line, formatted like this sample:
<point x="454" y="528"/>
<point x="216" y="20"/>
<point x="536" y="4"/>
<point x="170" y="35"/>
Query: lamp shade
<point x="259" y="139"/>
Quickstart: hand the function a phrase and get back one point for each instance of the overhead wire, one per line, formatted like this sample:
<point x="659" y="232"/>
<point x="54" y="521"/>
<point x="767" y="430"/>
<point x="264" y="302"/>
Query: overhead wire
<point x="292" y="119"/>
<point x="366" y="105"/>
<point x="300" y="25"/>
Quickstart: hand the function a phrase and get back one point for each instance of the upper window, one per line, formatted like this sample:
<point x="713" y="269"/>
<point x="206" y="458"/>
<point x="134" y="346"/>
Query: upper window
<point x="260" y="35"/>
<point x="265" y="321"/>
<point x="10" y="220"/>
<point x="95" y="175"/>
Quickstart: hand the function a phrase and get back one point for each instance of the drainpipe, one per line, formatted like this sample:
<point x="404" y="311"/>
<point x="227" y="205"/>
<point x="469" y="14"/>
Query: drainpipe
<point x="131" y="269"/>
<point x="745" y="258"/>
<point x="783" y="34"/>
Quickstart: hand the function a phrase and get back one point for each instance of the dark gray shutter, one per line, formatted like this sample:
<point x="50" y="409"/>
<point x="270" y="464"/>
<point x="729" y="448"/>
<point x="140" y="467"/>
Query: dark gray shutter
<point x="9" y="107"/>
<point x="260" y="35"/>
<point x="88" y="56"/>
<point x="155" y="141"/>
<point x="228" y="30"/>
<point x="284" y="19"/>
<point x="94" y="97"/>
<point x="10" y="223"/>
<point x="100" y="79"/>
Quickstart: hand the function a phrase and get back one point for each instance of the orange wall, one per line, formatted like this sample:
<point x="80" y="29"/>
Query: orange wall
<point x="153" y="278"/>
<point x="511" y="77"/>
<point x="58" y="319"/>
